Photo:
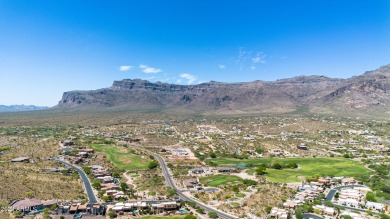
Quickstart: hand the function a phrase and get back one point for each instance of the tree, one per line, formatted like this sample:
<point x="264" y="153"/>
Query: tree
<point x="260" y="170"/>
<point x="369" y="212"/>
<point x="53" y="207"/>
<point x="171" y="192"/>
<point x="213" y="155"/>
<point x="249" y="182"/>
<point x="87" y="170"/>
<point x="328" y="203"/>
<point x="96" y="185"/>
<point x="212" y="214"/>
<point x="192" y="204"/>
<point x="107" y="198"/>
<point x="277" y="166"/>
<point x="370" y="197"/>
<point x="298" y="214"/>
<point x="235" y="189"/>
<point x="292" y="165"/>
<point x="259" y="150"/>
<point x="112" y="214"/>
<point x="46" y="214"/>
<point x="384" y="216"/>
<point x="152" y="164"/>
<point x="124" y="187"/>
<point x="190" y="216"/>
<point x="268" y="209"/>
<point x="200" y="210"/>
<point x="317" y="211"/>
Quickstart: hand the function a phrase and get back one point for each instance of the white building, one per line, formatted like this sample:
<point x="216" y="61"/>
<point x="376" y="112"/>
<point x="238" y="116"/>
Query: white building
<point x="374" y="206"/>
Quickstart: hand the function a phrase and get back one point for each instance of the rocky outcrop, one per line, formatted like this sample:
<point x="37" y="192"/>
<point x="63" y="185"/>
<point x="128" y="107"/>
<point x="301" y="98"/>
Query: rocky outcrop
<point x="365" y="91"/>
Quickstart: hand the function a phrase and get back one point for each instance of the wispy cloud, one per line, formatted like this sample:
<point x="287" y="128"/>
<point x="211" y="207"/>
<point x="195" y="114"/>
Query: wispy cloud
<point x="149" y="70"/>
<point x="221" y="66"/>
<point x="190" y="78"/>
<point x="259" y="58"/>
<point x="249" y="58"/>
<point x="125" y="67"/>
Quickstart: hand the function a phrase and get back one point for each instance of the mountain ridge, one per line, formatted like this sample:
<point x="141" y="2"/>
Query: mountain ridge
<point x="21" y="108"/>
<point x="369" y="90"/>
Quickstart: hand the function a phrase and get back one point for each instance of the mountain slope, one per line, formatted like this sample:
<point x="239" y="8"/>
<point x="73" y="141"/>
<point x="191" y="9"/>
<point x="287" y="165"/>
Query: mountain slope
<point x="370" y="90"/>
<point x="19" y="108"/>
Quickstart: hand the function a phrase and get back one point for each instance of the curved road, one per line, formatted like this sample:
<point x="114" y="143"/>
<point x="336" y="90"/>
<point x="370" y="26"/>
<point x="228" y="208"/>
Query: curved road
<point x="309" y="215"/>
<point x="185" y="197"/>
<point x="87" y="183"/>
<point x="332" y="192"/>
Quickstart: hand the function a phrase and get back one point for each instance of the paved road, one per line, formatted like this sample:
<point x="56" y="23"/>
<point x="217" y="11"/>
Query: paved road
<point x="308" y="215"/>
<point x="332" y="192"/>
<point x="235" y="149"/>
<point x="169" y="181"/>
<point x="87" y="184"/>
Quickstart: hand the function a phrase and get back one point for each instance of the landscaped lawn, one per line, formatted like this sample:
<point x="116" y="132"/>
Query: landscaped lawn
<point x="240" y="195"/>
<point x="307" y="167"/>
<point x="121" y="157"/>
<point x="219" y="179"/>
<point x="235" y="204"/>
<point x="152" y="193"/>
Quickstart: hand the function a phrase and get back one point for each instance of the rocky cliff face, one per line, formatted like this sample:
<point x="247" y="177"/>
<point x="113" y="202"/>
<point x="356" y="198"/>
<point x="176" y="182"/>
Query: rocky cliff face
<point x="365" y="91"/>
<point x="372" y="89"/>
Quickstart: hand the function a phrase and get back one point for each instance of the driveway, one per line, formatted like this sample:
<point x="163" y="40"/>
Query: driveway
<point x="84" y="178"/>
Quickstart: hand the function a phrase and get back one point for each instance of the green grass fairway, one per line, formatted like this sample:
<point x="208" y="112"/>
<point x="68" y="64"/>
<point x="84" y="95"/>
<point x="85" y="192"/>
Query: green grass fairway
<point x="121" y="157"/>
<point x="219" y="179"/>
<point x="307" y="167"/>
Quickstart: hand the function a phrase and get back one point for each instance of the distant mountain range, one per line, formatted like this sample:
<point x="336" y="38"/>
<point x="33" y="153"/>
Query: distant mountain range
<point x="367" y="93"/>
<point x="19" y="108"/>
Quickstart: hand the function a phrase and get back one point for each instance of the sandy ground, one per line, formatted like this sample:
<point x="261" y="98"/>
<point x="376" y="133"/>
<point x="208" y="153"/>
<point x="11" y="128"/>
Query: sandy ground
<point x="245" y="175"/>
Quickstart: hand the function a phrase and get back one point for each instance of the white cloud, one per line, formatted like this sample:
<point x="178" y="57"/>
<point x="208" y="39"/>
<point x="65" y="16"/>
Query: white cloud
<point x="241" y="52"/>
<point x="221" y="66"/>
<point x="125" y="67"/>
<point x="149" y="70"/>
<point x="253" y="67"/>
<point x="259" y="58"/>
<point x="190" y="78"/>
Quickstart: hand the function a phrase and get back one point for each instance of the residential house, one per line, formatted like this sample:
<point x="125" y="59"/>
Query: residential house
<point x="197" y="170"/>
<point x="190" y="183"/>
<point x="27" y="205"/>
<point x="73" y="208"/>
<point x="290" y="204"/>
<point x="348" y="202"/>
<point x="227" y="170"/>
<point x="20" y="159"/>
<point x="374" y="206"/>
<point x="307" y="195"/>
<point x="325" y="210"/>
<point x="278" y="213"/>
<point x="348" y="181"/>
<point x="325" y="181"/>
<point x="351" y="194"/>
<point x="302" y="147"/>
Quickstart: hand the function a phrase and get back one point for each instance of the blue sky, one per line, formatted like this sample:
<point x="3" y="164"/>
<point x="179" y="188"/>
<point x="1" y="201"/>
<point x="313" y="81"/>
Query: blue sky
<point x="49" y="47"/>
